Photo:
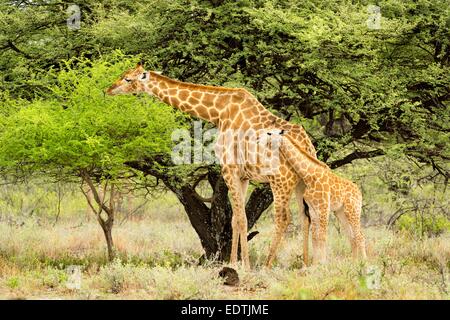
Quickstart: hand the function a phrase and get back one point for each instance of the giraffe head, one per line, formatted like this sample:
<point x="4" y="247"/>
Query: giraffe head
<point x="131" y="81"/>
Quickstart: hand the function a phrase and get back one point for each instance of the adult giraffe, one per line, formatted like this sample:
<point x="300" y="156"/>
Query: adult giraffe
<point x="237" y="110"/>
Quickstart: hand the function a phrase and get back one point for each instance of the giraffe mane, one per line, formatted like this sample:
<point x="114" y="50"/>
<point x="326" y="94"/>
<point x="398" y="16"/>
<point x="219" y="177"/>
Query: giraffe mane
<point x="189" y="85"/>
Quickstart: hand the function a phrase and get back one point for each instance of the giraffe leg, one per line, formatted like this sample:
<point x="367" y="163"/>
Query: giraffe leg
<point x="239" y="219"/>
<point x="345" y="225"/>
<point x="234" y="239"/>
<point x="352" y="212"/>
<point x="299" y="190"/>
<point x="305" y="232"/>
<point x="319" y="226"/>
<point x="282" y="219"/>
<point x="244" y="227"/>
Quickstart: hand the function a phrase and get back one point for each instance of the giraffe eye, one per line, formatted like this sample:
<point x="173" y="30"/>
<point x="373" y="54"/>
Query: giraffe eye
<point x="127" y="80"/>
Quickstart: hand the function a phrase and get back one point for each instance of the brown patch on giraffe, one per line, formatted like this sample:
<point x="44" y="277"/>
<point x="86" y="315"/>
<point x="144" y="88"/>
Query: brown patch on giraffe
<point x="247" y="104"/>
<point x="238" y="120"/>
<point x="213" y="113"/>
<point x="183" y="106"/>
<point x="156" y="91"/>
<point x="183" y="95"/>
<point x="245" y="125"/>
<point x="267" y="119"/>
<point x="221" y="101"/>
<point x="197" y="95"/>
<point x="248" y="113"/>
<point x="166" y="99"/>
<point x="172" y="92"/>
<point x="174" y="101"/>
<point x="226" y="124"/>
<point x="233" y="109"/>
<point x="202" y="112"/>
<point x="135" y="86"/>
<point x="163" y="85"/>
<point x="208" y="99"/>
<point x="193" y="101"/>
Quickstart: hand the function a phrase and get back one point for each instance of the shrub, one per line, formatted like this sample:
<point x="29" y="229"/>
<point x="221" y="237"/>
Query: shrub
<point x="419" y="225"/>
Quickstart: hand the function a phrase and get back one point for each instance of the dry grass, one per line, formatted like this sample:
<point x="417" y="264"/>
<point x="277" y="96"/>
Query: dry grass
<point x="158" y="260"/>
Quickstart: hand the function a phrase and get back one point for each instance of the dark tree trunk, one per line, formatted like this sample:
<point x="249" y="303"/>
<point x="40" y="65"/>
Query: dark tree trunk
<point x="211" y="223"/>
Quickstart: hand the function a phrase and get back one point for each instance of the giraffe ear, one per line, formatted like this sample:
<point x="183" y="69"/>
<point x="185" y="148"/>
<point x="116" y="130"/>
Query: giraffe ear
<point x="140" y="64"/>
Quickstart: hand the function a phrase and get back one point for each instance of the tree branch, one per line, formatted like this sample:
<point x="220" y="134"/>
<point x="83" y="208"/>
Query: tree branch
<point x="356" y="155"/>
<point x="13" y="47"/>
<point x="100" y="202"/>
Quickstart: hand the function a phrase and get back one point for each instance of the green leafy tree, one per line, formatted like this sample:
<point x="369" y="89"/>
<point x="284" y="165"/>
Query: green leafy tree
<point x="78" y="132"/>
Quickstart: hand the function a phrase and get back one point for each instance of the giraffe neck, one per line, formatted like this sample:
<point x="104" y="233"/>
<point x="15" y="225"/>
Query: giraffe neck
<point x="306" y="166"/>
<point x="197" y="100"/>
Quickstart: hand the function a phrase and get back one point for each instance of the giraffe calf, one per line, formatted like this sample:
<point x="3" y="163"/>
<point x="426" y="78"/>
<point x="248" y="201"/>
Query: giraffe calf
<point x="325" y="192"/>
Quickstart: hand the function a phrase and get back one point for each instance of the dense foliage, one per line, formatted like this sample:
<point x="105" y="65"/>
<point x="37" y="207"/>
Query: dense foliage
<point x="75" y="127"/>
<point x="360" y="92"/>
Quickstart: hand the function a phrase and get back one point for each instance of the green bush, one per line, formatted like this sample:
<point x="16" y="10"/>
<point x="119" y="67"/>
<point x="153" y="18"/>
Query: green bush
<point x="76" y="127"/>
<point x="419" y="225"/>
<point x="13" y="282"/>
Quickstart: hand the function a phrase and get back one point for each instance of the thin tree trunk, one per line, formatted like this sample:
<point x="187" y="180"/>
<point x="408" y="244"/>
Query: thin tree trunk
<point x="99" y="195"/>
<point x="107" y="231"/>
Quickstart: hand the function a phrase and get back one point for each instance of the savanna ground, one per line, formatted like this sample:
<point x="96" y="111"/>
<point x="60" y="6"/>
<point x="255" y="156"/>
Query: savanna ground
<point x="158" y="250"/>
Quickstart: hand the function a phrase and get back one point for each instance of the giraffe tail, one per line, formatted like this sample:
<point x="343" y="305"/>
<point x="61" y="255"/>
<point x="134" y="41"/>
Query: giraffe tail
<point x="307" y="211"/>
<point x="305" y="231"/>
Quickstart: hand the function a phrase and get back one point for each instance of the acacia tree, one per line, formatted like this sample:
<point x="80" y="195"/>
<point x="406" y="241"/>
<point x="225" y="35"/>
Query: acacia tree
<point x="78" y="134"/>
